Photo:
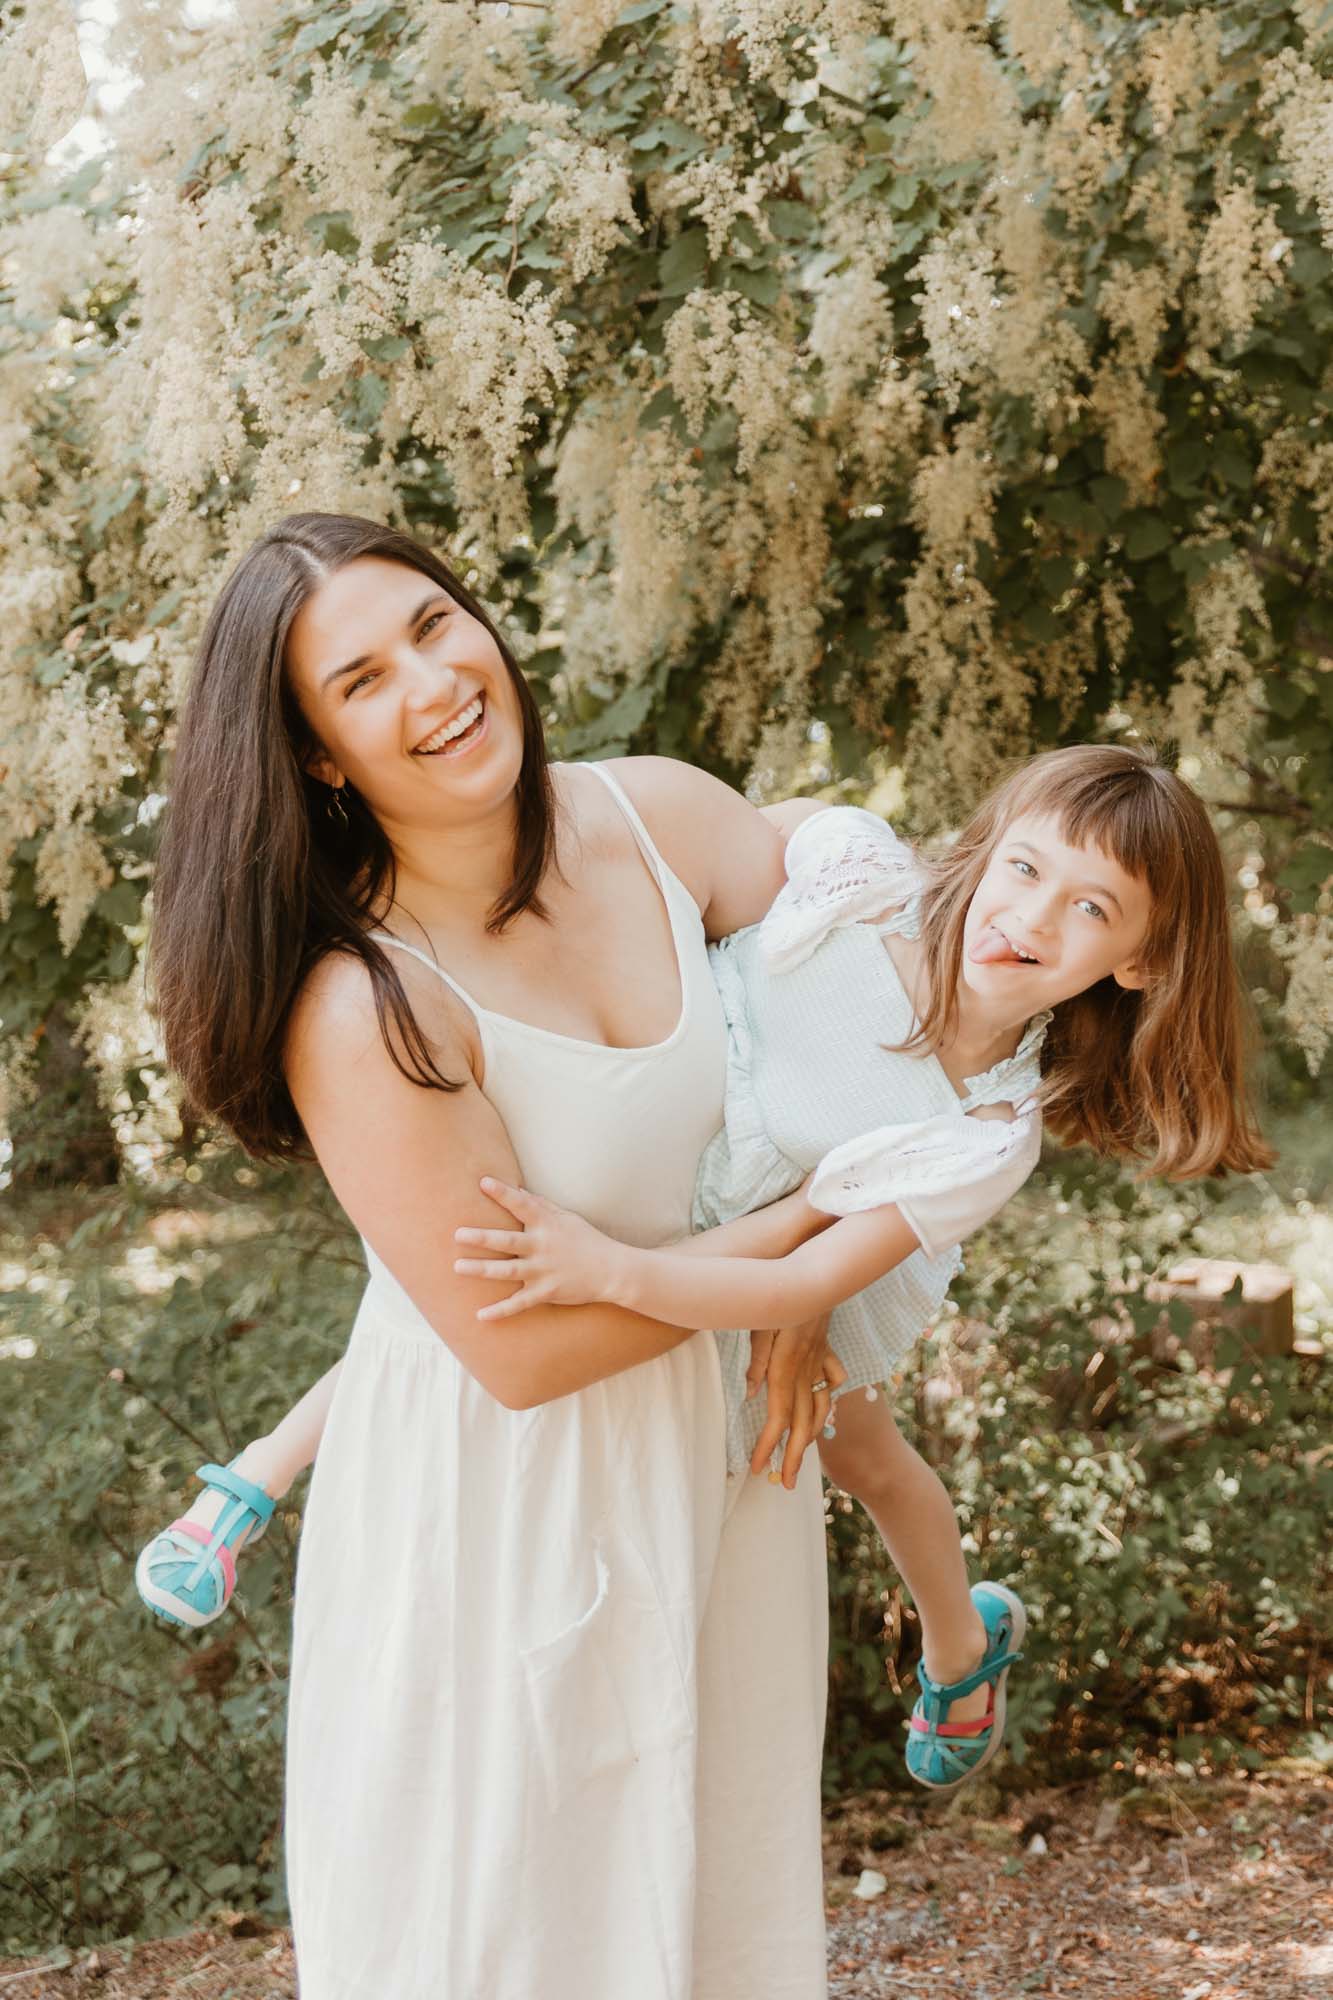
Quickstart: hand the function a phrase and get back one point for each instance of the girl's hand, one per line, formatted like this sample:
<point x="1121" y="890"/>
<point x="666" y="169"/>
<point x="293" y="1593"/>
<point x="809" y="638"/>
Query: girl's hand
<point x="793" y="1360"/>
<point x="554" y="1258"/>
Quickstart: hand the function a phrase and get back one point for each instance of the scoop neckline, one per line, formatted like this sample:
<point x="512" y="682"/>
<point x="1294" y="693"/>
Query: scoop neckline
<point x="662" y="875"/>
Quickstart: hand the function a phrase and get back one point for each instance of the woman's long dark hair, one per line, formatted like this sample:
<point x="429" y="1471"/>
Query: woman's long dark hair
<point x="255" y="880"/>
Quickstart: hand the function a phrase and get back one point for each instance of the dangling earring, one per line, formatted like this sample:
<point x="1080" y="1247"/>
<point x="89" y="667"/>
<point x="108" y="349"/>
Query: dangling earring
<point x="334" y="806"/>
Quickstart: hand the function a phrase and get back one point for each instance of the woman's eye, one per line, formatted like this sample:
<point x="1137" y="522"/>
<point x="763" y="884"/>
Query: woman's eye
<point x="434" y="619"/>
<point x="360" y="681"/>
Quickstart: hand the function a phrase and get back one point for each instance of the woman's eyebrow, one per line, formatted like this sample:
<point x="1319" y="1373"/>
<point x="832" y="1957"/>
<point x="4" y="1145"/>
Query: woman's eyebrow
<point x="1097" y="888"/>
<point x="336" y="673"/>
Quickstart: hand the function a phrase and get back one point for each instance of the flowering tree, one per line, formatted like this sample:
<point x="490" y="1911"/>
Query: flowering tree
<point x="954" y="377"/>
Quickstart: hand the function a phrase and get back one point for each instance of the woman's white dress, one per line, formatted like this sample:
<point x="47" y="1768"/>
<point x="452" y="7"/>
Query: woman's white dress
<point x="557" y="1694"/>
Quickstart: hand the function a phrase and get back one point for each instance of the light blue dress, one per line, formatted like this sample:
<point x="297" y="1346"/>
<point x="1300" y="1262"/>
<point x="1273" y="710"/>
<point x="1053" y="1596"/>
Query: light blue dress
<point x="811" y="996"/>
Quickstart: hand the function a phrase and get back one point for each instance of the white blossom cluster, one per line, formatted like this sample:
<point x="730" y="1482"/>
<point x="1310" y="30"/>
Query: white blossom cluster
<point x="297" y="319"/>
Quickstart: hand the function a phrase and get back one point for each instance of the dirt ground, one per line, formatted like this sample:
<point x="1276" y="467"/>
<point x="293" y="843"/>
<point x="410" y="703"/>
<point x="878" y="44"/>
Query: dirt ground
<point x="1178" y="1891"/>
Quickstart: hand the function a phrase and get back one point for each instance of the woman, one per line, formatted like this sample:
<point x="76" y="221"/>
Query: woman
<point x="557" y="1687"/>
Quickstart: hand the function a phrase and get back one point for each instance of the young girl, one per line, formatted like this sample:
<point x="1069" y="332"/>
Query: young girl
<point x="897" y="1026"/>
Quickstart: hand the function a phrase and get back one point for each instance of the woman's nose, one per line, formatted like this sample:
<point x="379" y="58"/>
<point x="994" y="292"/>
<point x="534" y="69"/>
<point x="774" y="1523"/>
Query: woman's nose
<point x="429" y="678"/>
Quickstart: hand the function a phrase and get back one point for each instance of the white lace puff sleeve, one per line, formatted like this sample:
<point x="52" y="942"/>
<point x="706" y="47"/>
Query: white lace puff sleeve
<point x="844" y="866"/>
<point x="948" y="1174"/>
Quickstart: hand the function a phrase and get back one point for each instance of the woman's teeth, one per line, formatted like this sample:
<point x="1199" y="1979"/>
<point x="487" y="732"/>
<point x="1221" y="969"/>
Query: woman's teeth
<point x="451" y="731"/>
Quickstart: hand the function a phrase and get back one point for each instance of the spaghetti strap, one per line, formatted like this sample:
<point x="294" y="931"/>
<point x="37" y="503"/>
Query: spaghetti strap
<point x="687" y="942"/>
<point x="387" y="937"/>
<point x="659" y="866"/>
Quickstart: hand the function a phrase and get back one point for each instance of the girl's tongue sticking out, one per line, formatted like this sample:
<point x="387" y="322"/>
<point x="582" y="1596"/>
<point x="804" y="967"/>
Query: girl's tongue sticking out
<point x="992" y="947"/>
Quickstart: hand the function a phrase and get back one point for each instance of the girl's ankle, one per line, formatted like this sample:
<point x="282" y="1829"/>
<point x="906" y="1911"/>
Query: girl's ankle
<point x="962" y="1657"/>
<point x="259" y="1464"/>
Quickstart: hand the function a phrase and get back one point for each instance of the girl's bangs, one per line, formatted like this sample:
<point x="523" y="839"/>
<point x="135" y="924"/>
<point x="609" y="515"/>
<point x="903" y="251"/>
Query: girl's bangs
<point x="1116" y="806"/>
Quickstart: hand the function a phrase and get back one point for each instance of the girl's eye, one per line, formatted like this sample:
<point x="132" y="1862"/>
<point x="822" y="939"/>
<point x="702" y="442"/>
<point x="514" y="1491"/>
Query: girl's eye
<point x="360" y="681"/>
<point x="1015" y="862"/>
<point x="1096" y="908"/>
<point x="434" y="619"/>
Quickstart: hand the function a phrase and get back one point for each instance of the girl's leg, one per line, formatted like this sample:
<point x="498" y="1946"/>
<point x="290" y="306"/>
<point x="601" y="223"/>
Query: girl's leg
<point x="274" y="1461"/>
<point x="872" y="1460"/>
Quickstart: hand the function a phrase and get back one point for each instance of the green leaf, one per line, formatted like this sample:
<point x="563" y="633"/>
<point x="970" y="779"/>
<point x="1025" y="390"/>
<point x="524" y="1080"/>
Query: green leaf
<point x="387" y="347"/>
<point x="223" y="1878"/>
<point x="1146" y="535"/>
<point x="332" y="230"/>
<point x="683" y="265"/>
<point x="760" y="283"/>
<point x="871" y="176"/>
<point x="1233" y="468"/>
<point x="1186" y="462"/>
<point x="668" y="134"/>
<point x="163" y="609"/>
<point x="792" y="221"/>
<point x="1070" y="510"/>
<point x="318" y="34"/>
<point x="1109" y="495"/>
<point x="1286" y="693"/>
<point x="122" y="903"/>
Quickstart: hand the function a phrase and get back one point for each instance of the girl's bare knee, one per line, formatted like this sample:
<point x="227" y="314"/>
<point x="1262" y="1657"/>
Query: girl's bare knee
<point x="864" y="1457"/>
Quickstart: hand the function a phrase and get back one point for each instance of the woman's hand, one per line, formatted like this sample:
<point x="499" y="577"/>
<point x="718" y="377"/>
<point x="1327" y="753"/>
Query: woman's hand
<point x="793" y="1361"/>
<point x="555" y="1258"/>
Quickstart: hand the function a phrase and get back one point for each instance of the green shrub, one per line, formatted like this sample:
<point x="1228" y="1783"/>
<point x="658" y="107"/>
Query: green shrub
<point x="1171" y="1544"/>
<point x="1166" y="1525"/>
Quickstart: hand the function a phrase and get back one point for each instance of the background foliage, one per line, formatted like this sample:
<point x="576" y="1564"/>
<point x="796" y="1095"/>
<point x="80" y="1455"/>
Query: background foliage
<point x="950" y="377"/>
<point x="1171" y="1541"/>
<point x="845" y="396"/>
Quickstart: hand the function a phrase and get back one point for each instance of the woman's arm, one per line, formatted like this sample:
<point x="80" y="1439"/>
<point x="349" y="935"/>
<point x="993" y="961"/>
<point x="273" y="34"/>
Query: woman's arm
<point x="400" y="1158"/>
<point x="558" y="1258"/>
<point x="727" y="852"/>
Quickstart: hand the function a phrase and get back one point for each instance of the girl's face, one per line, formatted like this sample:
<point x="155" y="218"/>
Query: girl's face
<point x="407" y="695"/>
<point x="1049" y="920"/>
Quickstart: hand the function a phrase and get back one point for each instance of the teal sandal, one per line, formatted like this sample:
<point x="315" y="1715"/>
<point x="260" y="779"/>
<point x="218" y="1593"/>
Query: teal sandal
<point x="187" y="1574"/>
<point x="943" y="1755"/>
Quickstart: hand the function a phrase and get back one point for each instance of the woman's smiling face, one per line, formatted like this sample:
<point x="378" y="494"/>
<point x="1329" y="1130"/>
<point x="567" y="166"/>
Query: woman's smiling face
<point x="407" y="695"/>
<point x="1049" y="920"/>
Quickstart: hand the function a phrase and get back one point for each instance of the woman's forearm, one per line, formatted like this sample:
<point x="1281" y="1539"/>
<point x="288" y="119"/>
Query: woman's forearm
<point x="553" y="1350"/>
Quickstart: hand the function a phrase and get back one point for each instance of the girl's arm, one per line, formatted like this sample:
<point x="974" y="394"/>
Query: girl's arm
<point x="282" y="1454"/>
<point x="558" y="1258"/>
<point x="774" y="1231"/>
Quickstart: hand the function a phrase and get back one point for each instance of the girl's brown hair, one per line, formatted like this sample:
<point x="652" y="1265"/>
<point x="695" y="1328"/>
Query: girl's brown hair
<point x="255" y="880"/>
<point x="1155" y="1075"/>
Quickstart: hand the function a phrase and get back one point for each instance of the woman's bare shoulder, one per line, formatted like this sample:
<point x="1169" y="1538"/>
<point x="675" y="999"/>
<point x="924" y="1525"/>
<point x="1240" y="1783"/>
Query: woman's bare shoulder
<point x="334" y="1022"/>
<point x="722" y="847"/>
